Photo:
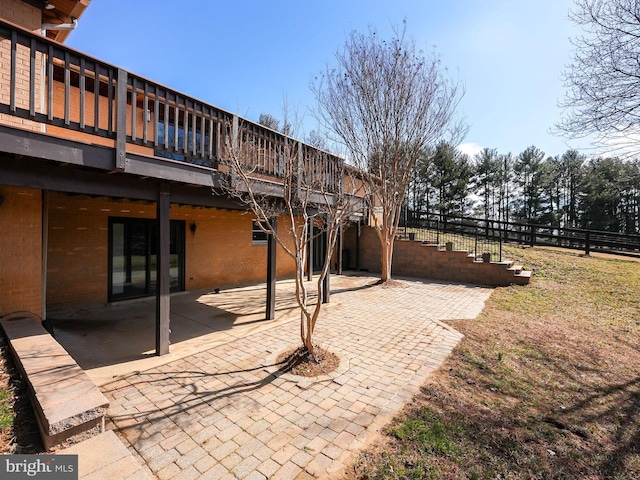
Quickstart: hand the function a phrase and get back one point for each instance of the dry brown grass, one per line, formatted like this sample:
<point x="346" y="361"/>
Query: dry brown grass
<point x="545" y="384"/>
<point x="18" y="427"/>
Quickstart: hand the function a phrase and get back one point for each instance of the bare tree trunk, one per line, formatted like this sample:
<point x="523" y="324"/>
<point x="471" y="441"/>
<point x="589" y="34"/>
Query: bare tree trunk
<point x="386" y="235"/>
<point x="386" y="255"/>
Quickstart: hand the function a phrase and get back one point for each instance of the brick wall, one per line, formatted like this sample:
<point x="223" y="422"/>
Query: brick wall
<point x="20" y="250"/>
<point x="414" y="259"/>
<point x="219" y="254"/>
<point x="29" y="17"/>
<point x="22" y="14"/>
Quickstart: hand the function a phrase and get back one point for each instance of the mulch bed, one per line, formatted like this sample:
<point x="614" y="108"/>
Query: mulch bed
<point x="299" y="361"/>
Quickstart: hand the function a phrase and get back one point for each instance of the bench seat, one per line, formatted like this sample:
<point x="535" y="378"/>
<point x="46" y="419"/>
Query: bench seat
<point x="66" y="402"/>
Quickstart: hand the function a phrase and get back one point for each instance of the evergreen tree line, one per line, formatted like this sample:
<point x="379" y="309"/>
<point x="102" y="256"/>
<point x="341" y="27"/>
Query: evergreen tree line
<point x="568" y="190"/>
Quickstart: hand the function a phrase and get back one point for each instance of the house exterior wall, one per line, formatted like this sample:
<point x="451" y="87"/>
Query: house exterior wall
<point x="219" y="254"/>
<point x="30" y="18"/>
<point x="20" y="250"/>
<point x="21" y="13"/>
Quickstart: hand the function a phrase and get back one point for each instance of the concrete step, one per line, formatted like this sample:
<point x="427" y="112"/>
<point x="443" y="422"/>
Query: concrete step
<point x="524" y="274"/>
<point x="104" y="457"/>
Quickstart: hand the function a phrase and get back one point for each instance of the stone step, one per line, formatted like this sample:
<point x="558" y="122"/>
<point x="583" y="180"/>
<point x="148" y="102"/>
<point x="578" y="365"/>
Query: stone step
<point x="104" y="457"/>
<point x="516" y="268"/>
<point x="524" y="274"/>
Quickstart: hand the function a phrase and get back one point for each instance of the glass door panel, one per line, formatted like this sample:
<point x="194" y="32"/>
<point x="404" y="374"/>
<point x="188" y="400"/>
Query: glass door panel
<point x="138" y="239"/>
<point x="118" y="259"/>
<point x="133" y="257"/>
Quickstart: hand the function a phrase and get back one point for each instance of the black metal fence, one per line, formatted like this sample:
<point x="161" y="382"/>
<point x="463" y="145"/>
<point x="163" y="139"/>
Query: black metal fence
<point x="480" y="236"/>
<point x="476" y="237"/>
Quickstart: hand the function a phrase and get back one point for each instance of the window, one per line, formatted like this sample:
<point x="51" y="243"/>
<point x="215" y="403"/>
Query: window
<point x="257" y="235"/>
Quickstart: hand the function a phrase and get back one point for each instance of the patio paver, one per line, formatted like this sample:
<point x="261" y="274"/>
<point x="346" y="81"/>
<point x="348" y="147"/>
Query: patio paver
<point x="228" y="412"/>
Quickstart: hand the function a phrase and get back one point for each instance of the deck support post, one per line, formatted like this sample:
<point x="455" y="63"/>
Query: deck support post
<point x="271" y="272"/>
<point x="326" y="282"/>
<point x="163" y="277"/>
<point x="310" y="249"/>
<point x="339" y="253"/>
<point x="358" y="246"/>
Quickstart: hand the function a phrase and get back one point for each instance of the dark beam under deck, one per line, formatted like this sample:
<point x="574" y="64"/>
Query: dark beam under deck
<point x="40" y="146"/>
<point x="19" y="171"/>
<point x="25" y="147"/>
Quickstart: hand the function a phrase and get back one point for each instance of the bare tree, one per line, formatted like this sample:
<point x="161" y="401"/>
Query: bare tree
<point x="387" y="102"/>
<point x="603" y="79"/>
<point x="301" y="186"/>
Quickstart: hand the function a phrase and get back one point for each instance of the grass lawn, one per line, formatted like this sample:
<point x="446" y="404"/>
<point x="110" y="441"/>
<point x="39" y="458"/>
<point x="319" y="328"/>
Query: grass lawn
<point x="545" y="384"/>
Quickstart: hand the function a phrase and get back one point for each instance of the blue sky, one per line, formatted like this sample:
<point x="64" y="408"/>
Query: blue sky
<point x="246" y="56"/>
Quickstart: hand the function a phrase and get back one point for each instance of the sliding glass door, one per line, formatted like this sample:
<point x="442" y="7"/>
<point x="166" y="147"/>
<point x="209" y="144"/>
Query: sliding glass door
<point x="133" y="248"/>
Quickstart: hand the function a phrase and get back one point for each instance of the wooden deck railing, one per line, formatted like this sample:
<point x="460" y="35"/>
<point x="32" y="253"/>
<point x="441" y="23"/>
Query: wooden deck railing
<point x="46" y="86"/>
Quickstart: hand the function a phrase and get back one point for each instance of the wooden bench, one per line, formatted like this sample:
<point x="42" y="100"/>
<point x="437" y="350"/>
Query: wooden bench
<point x="68" y="405"/>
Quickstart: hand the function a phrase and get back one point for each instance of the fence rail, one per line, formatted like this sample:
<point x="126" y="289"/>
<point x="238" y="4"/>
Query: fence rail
<point x="484" y="235"/>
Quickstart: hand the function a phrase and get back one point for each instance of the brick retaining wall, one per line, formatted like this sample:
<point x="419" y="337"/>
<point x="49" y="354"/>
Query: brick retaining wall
<point x="415" y="259"/>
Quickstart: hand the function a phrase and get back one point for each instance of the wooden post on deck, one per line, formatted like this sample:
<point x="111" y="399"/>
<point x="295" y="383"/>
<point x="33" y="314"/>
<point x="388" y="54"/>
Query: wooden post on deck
<point x="121" y="119"/>
<point x="163" y="277"/>
<point x="271" y="273"/>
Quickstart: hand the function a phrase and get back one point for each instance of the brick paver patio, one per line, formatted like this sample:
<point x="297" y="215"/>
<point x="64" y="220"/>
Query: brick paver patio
<point x="227" y="412"/>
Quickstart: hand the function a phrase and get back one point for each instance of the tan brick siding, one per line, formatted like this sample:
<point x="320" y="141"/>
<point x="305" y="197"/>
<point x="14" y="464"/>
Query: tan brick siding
<point x="29" y="17"/>
<point x="20" y="250"/>
<point x="219" y="254"/>
<point x="22" y="14"/>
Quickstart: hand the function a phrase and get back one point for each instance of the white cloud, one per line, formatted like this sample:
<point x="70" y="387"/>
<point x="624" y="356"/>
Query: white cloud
<point x="470" y="148"/>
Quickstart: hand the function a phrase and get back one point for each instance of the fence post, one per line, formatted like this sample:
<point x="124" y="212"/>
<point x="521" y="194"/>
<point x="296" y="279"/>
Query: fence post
<point x="533" y="236"/>
<point x="587" y="241"/>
